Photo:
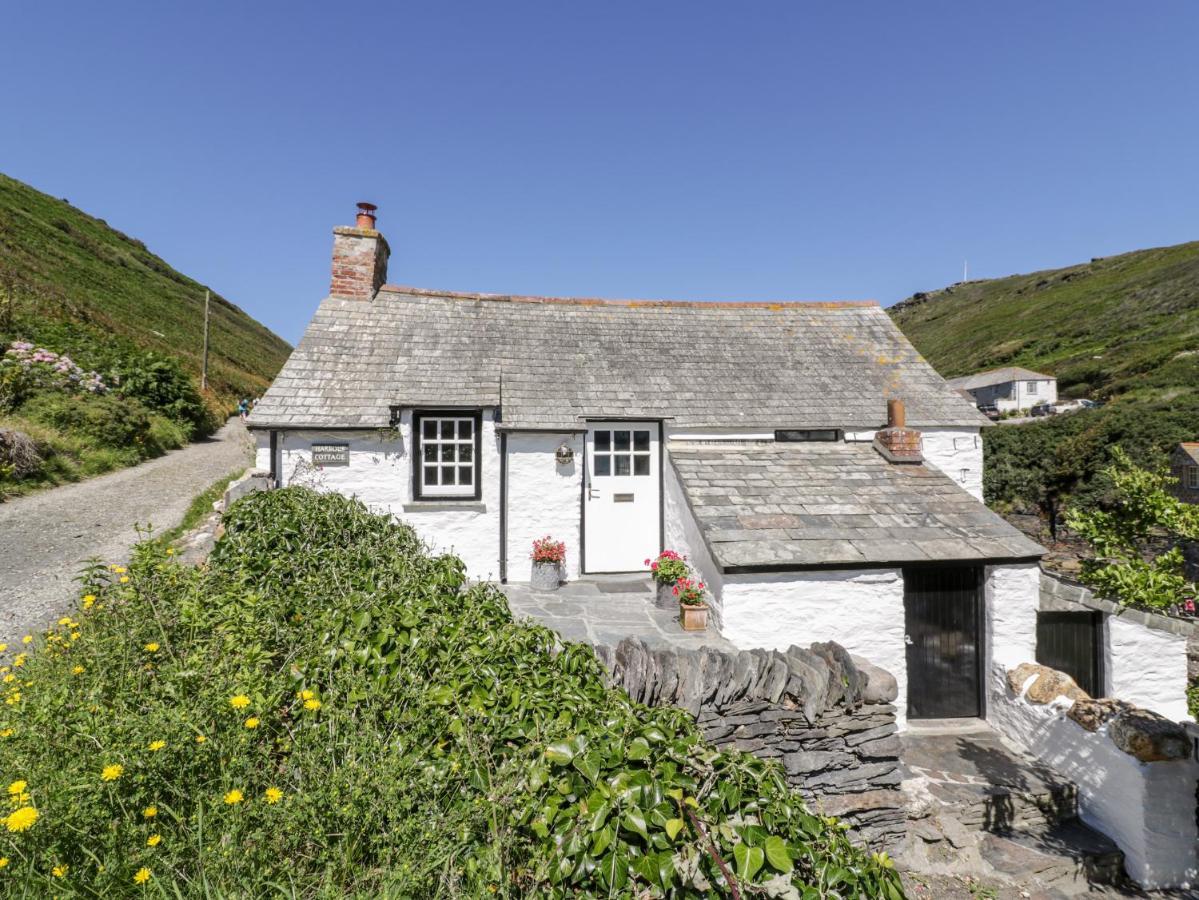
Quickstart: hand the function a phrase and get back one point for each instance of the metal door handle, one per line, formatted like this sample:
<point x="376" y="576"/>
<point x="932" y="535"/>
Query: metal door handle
<point x="907" y="639"/>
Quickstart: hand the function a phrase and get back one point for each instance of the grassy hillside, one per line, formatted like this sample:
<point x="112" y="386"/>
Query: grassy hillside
<point x="1124" y="329"/>
<point x="74" y="267"/>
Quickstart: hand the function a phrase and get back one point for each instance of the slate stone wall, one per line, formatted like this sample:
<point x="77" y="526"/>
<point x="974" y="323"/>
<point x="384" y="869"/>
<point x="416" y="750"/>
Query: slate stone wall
<point x="827" y="717"/>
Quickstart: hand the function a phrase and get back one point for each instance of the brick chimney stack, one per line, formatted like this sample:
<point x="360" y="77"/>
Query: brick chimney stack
<point x="359" y="257"/>
<point x="897" y="443"/>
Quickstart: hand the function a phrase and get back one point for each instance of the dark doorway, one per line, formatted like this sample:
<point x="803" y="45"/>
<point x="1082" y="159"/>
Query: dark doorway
<point x="1072" y="642"/>
<point x="943" y="615"/>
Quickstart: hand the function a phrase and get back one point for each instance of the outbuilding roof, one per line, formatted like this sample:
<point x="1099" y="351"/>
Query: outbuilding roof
<point x="550" y="363"/>
<point x="765" y="505"/>
<point x="1191" y="449"/>
<point x="997" y="376"/>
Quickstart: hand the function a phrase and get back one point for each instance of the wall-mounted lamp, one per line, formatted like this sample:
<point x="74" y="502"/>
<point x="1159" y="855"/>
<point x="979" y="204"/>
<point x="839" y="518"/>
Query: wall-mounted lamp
<point x="565" y="454"/>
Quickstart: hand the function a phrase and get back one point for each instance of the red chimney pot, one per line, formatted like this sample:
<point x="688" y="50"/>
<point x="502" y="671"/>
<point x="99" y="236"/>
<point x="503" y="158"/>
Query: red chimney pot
<point x="366" y="215"/>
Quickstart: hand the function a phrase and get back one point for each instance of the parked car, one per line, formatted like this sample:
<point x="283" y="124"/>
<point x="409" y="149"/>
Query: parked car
<point x="991" y="412"/>
<point x="1041" y="409"/>
<point x="1075" y="405"/>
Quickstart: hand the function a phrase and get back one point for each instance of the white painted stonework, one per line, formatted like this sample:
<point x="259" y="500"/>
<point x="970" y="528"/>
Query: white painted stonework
<point x="956" y="452"/>
<point x="682" y="536"/>
<point x="1148" y="809"/>
<point x="860" y="610"/>
<point x="1147" y="667"/>
<point x="543" y="498"/>
<point x="1013" y="595"/>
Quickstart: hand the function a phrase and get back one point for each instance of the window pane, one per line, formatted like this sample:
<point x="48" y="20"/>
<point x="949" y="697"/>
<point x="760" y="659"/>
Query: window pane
<point x="640" y="440"/>
<point x="641" y="464"/>
<point x="603" y="440"/>
<point x="466" y="474"/>
<point x="429" y="428"/>
<point x="430" y="475"/>
<point x="603" y="464"/>
<point x="447" y="428"/>
<point x="466" y="452"/>
<point x="621" y="439"/>
<point x="466" y="428"/>
<point x="622" y="463"/>
<point x="447" y="474"/>
<point x="429" y="451"/>
<point x="447" y="452"/>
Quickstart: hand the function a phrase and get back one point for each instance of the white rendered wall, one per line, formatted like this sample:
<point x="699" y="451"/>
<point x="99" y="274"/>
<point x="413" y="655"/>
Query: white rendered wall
<point x="956" y="452"/>
<point x="682" y="535"/>
<point x="262" y="450"/>
<point x="1148" y="809"/>
<point x="1013" y="596"/>
<point x="379" y="474"/>
<point x="1147" y="667"/>
<point x="543" y="498"/>
<point x="860" y="610"/>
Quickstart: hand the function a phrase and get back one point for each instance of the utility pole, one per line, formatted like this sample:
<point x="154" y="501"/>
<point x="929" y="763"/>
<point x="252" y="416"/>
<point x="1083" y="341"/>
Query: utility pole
<point x="204" y="364"/>
<point x="965" y="270"/>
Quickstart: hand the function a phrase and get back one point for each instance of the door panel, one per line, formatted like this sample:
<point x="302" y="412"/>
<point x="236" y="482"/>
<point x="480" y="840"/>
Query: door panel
<point x="621" y="496"/>
<point x="1072" y="642"/>
<point x="943" y="621"/>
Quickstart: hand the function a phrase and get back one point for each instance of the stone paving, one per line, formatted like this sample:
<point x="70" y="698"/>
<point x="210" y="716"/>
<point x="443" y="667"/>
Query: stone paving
<point x="604" y="610"/>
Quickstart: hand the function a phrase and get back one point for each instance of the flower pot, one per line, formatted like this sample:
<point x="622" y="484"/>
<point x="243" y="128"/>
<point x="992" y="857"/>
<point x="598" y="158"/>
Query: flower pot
<point x="664" y="597"/>
<point x="694" y="618"/>
<point x="546" y="576"/>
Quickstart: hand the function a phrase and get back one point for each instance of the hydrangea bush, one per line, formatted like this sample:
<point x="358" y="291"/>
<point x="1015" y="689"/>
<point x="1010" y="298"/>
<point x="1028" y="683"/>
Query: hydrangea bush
<point x="325" y="709"/>
<point x="26" y="369"/>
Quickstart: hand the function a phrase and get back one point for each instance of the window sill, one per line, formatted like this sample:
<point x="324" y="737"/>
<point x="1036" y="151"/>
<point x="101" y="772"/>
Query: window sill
<point x="445" y="505"/>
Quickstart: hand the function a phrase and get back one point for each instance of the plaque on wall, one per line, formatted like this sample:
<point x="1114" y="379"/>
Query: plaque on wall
<point x="330" y="454"/>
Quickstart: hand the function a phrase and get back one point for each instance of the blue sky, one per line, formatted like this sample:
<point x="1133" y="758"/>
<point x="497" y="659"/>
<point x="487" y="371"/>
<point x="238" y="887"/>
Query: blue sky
<point x="688" y="150"/>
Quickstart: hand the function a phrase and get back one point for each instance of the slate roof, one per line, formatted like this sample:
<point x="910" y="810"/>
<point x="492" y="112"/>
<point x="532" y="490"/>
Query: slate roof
<point x="1191" y="449"/>
<point x="822" y="505"/>
<point x="550" y="363"/>
<point x="997" y="376"/>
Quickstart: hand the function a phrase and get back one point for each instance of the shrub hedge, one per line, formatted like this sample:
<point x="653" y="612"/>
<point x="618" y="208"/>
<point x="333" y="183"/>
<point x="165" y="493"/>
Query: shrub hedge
<point x="325" y="709"/>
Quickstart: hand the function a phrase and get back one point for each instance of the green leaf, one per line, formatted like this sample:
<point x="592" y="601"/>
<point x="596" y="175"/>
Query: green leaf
<point x="673" y="827"/>
<point x="634" y="820"/>
<point x="588" y="765"/>
<point x="638" y="749"/>
<point x="777" y="854"/>
<point x="749" y="860"/>
<point x="560" y="753"/>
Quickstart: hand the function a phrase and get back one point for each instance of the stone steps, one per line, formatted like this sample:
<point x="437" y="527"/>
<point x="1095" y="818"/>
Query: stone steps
<point x="998" y="808"/>
<point x="1068" y="857"/>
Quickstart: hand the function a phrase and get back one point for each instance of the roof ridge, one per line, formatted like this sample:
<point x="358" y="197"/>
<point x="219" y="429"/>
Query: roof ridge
<point x="597" y="301"/>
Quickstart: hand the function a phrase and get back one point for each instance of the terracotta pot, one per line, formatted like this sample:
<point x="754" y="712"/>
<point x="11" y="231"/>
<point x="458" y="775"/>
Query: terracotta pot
<point x="664" y="597"/>
<point x="694" y="618"/>
<point x="546" y="576"/>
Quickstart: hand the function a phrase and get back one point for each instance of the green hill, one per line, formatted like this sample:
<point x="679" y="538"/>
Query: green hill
<point x="73" y="267"/>
<point x="101" y="344"/>
<point x="1122" y="329"/>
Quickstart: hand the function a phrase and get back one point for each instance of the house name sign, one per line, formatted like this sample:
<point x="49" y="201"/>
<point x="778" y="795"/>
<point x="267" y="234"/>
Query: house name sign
<point x="330" y="454"/>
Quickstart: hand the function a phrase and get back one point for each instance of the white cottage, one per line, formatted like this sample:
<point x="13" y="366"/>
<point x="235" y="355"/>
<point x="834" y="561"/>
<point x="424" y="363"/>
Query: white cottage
<point x="753" y="437"/>
<point x="1010" y="389"/>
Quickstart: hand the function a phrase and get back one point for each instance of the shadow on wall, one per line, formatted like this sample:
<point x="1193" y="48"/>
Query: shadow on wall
<point x="1054" y="798"/>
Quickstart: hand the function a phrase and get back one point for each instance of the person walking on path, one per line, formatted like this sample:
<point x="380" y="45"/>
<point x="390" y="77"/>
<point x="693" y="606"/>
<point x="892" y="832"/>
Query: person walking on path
<point x="243" y="408"/>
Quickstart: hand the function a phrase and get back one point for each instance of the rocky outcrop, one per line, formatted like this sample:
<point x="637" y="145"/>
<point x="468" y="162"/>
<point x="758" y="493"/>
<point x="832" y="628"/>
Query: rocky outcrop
<point x="1148" y="736"/>
<point x="1049" y="684"/>
<point x="825" y="716"/>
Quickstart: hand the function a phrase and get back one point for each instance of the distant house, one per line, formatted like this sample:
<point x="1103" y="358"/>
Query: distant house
<point x="1184" y="465"/>
<point x="1008" y="389"/>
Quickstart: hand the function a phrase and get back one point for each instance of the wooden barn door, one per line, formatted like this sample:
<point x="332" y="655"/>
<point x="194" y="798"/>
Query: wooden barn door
<point x="1072" y="642"/>
<point x="943" y="613"/>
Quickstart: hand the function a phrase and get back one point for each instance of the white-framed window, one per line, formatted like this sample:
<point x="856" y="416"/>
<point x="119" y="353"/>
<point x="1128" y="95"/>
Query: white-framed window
<point x="1190" y="477"/>
<point x="1032" y="387"/>
<point x="446" y="455"/>
<point x="621" y="452"/>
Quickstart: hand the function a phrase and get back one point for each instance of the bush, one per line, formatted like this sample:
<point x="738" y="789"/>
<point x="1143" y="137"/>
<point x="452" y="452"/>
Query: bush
<point x="327" y="710"/>
<point x="105" y="421"/>
<point x="161" y="385"/>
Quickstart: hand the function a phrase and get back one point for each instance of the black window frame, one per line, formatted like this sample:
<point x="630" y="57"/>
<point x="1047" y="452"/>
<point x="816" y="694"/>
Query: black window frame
<point x="418" y="417"/>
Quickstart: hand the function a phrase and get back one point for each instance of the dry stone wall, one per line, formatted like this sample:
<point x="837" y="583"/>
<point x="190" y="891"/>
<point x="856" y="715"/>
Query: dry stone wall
<point x="828" y="718"/>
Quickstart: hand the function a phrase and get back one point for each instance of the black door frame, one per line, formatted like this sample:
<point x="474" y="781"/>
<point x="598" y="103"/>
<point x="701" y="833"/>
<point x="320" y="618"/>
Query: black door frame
<point x="1097" y="628"/>
<point x="980" y="638"/>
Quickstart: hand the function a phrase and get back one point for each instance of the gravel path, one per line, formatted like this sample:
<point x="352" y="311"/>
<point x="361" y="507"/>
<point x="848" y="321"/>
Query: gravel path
<point x="45" y="537"/>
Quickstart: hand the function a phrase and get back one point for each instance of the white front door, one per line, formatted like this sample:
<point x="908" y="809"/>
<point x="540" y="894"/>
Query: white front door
<point x="622" y="496"/>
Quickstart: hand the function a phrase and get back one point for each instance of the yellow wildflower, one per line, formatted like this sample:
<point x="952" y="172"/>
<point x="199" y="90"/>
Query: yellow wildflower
<point x="21" y="819"/>
<point x="154" y="840"/>
<point x="113" y="772"/>
<point x="3" y="861"/>
<point x="88" y="600"/>
<point x="151" y="647"/>
<point x="7" y="732"/>
<point x="312" y="705"/>
<point x="155" y="746"/>
<point x="13" y="698"/>
<point x="17" y="787"/>
<point x="142" y="876"/>
<point x="150" y="812"/>
<point x="239" y="701"/>
<point x="78" y="670"/>
<point x="28" y="639"/>
<point x="19" y="660"/>
<point x="170" y="551"/>
<point x="305" y="695"/>
<point x="74" y="635"/>
<point x="60" y="870"/>
<point x="65" y="620"/>
<point x="120" y="570"/>
<point x="234" y="796"/>
<point x="124" y="579"/>
<point x="252" y="722"/>
<point x="10" y="678"/>
<point x="200" y="739"/>
<point x="273" y="795"/>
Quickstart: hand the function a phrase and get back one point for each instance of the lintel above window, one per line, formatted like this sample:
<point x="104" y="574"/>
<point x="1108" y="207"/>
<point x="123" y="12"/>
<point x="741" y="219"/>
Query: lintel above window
<point x="446" y="446"/>
<point x="797" y="435"/>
